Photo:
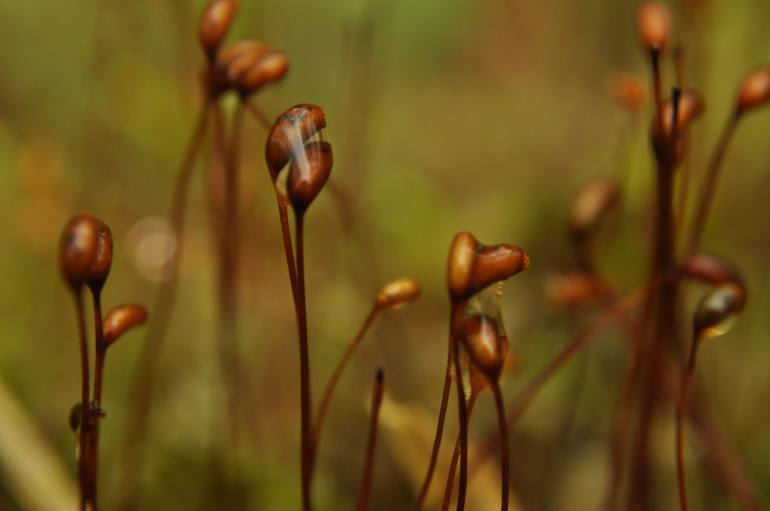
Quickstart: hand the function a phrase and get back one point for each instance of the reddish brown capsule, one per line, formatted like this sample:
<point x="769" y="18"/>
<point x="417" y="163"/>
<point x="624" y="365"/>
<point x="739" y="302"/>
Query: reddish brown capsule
<point x="628" y="91"/>
<point x="120" y="319"/>
<point x="712" y="270"/>
<point x="289" y="133"/>
<point x="398" y="293"/>
<point x="573" y="290"/>
<point x="473" y="266"/>
<point x="102" y="262"/>
<point x="269" y="69"/>
<point x="235" y="59"/>
<point x="308" y="174"/>
<point x="214" y="25"/>
<point x="78" y="247"/>
<point x="592" y="204"/>
<point x="485" y="344"/>
<point x="654" y="25"/>
<point x="754" y="90"/>
<point x="718" y="310"/>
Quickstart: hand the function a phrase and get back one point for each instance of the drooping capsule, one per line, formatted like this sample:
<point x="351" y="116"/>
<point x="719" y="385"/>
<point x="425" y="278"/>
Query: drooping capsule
<point x="77" y="246"/>
<point x="121" y="319"/>
<point x="102" y="262"/>
<point x="754" y="90"/>
<point x="309" y="172"/>
<point x="628" y="91"/>
<point x="269" y="69"/>
<point x="473" y="266"/>
<point x="711" y="269"/>
<point x="718" y="310"/>
<point x="289" y="133"/>
<point x="214" y="25"/>
<point x="486" y="344"/>
<point x="398" y="293"/>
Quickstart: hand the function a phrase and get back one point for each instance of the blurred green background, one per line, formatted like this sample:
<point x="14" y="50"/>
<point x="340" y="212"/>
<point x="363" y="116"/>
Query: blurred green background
<point x="483" y="115"/>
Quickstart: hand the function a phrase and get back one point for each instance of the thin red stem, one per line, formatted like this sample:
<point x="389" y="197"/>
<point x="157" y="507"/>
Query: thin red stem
<point x="364" y="493"/>
<point x="708" y="189"/>
<point x="439" y="428"/>
<point x="85" y="416"/>
<point x="680" y="411"/>
<point x="463" y="421"/>
<point x="257" y="114"/>
<point x="305" y="395"/>
<point x="455" y="456"/>
<point x="504" y="453"/>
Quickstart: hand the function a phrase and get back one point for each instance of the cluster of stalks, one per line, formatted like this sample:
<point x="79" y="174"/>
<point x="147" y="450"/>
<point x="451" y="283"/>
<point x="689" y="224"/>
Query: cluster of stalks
<point x="85" y="258"/>
<point x="660" y="367"/>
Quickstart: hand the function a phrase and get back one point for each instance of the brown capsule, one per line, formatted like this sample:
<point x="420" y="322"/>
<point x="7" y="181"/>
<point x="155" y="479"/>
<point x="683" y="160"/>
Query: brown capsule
<point x="592" y="204"/>
<point x="77" y="249"/>
<point x="573" y="290"/>
<point x="398" y="293"/>
<point x="628" y="91"/>
<point x="654" y="25"/>
<point x="120" y="319"/>
<point x="485" y="344"/>
<point x="235" y="59"/>
<point x="289" y="133"/>
<point x="754" y="90"/>
<point x="473" y="266"/>
<point x="269" y="69"/>
<point x="308" y="174"/>
<point x="712" y="270"/>
<point x="718" y="310"/>
<point x="215" y="23"/>
<point x="102" y="262"/>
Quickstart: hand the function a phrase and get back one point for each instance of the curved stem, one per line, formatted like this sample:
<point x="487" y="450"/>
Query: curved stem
<point x="504" y="453"/>
<point x="144" y="378"/>
<point x="439" y="428"/>
<point x="680" y="410"/>
<point x="282" y="202"/>
<point x="305" y="397"/>
<point x="85" y="415"/>
<point x="257" y="114"/>
<point x="455" y="456"/>
<point x="463" y="420"/>
<point x="362" y="503"/>
<point x="334" y="380"/>
<point x="706" y="196"/>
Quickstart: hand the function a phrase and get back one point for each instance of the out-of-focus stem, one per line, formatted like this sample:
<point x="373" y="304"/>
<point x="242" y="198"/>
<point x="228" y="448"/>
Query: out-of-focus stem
<point x="680" y="411"/>
<point x="364" y="493"/>
<point x="144" y="378"/>
<point x="504" y="455"/>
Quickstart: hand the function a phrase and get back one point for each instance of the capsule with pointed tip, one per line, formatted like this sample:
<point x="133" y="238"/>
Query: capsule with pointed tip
<point x="654" y="26"/>
<point x="288" y="135"/>
<point x="718" y="310"/>
<point x="214" y="25"/>
<point x="398" y="293"/>
<point x="121" y="319"/>
<point x="485" y="343"/>
<point x="691" y="107"/>
<point x="473" y="266"/>
<point x="754" y="90"/>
